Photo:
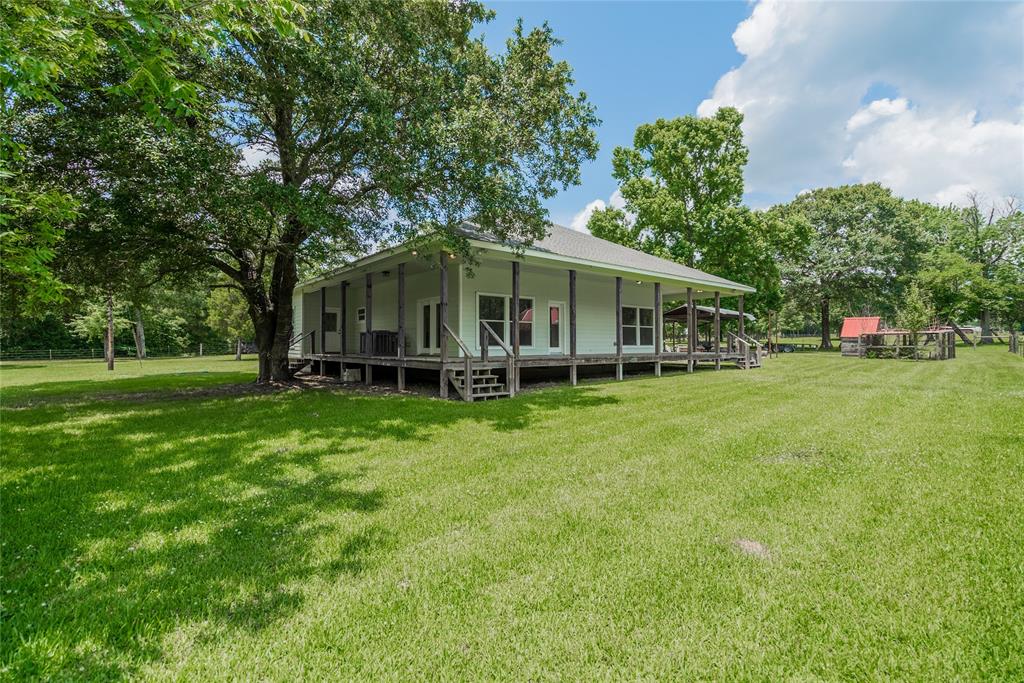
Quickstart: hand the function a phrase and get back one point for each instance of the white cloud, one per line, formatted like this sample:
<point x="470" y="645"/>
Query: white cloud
<point x="879" y="109"/>
<point x="941" y="158"/>
<point x="850" y="92"/>
<point x="254" y="155"/>
<point x="579" y="221"/>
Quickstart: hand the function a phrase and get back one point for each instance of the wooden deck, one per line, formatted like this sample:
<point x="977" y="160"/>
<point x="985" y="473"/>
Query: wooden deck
<point x="530" y="361"/>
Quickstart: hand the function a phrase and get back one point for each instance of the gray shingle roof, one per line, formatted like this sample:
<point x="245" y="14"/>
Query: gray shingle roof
<point x="562" y="241"/>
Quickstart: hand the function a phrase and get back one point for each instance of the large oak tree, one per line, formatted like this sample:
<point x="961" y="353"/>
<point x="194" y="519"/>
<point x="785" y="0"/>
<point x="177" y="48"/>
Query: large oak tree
<point x="372" y="120"/>
<point x="850" y="247"/>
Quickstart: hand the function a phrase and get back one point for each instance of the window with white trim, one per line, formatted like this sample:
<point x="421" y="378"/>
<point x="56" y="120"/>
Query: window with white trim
<point x="637" y="326"/>
<point x="491" y="310"/>
<point x="496" y="311"/>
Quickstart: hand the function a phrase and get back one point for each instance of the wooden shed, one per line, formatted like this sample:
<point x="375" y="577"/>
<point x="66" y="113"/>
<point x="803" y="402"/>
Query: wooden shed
<point x="853" y="328"/>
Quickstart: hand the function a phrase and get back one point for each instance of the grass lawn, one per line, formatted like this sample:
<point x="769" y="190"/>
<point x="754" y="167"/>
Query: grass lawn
<point x="608" y="531"/>
<point x="22" y="381"/>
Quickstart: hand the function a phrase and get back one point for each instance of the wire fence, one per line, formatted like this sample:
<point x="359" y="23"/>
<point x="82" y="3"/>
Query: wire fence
<point x="204" y="349"/>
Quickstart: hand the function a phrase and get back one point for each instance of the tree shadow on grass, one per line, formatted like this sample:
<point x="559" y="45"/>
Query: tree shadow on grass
<point x="71" y="390"/>
<point x="130" y="526"/>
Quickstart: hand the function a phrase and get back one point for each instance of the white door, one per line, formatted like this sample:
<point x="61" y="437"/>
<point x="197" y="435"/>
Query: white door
<point x="428" y="325"/>
<point x="556" y="327"/>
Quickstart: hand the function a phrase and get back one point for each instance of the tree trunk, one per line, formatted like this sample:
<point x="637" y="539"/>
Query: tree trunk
<point x="986" y="326"/>
<point x="273" y="321"/>
<point x="110" y="332"/>
<point x="826" y="331"/>
<point x="238" y="349"/>
<point x="140" y="335"/>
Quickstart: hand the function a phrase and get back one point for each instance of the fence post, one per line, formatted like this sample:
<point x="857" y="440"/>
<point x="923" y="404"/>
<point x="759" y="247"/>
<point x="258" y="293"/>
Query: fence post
<point x="200" y="348"/>
<point x="51" y="354"/>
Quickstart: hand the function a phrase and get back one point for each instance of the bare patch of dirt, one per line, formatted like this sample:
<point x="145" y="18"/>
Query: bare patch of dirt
<point x="753" y="548"/>
<point x="797" y="455"/>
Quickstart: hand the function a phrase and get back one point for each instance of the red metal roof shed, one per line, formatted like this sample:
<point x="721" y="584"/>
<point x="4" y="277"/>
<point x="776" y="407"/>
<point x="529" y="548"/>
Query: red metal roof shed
<point x="854" y="327"/>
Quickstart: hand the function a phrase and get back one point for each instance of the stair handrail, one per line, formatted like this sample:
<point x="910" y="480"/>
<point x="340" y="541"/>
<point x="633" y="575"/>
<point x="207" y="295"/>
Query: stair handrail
<point x="510" y="360"/>
<point x="297" y="339"/>
<point x="467" y="384"/>
<point x="504" y="347"/>
<point x="756" y="343"/>
<point x="741" y="342"/>
<point x="458" y="340"/>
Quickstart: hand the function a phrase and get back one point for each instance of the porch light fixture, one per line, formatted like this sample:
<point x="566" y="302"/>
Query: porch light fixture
<point x="451" y="256"/>
<point x="415" y="253"/>
<point x="639" y="282"/>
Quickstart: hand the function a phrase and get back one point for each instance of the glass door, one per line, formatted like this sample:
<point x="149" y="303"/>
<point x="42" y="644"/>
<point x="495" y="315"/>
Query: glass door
<point x="428" y="324"/>
<point x="556" y="327"/>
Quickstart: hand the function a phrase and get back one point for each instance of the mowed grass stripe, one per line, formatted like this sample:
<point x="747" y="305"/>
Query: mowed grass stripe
<point x="582" y="533"/>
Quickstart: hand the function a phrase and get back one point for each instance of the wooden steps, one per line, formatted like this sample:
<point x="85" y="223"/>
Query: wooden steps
<point x="298" y="364"/>
<point x="484" y="384"/>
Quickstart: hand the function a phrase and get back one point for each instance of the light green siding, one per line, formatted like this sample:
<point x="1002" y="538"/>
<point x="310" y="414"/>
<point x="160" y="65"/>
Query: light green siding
<point x="595" y="305"/>
<point x="546" y="286"/>
<point x="418" y="286"/>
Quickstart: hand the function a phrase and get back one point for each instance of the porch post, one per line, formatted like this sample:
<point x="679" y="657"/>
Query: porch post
<point x="572" y="327"/>
<point x="691" y="319"/>
<point x="657" y="329"/>
<point x="344" y="320"/>
<point x="718" y="330"/>
<point x="443" y="341"/>
<point x="514" y="315"/>
<point x="369" y="326"/>
<point x="618" y="328"/>
<point x="741" y="316"/>
<point x="401" y="326"/>
<point x="323" y="332"/>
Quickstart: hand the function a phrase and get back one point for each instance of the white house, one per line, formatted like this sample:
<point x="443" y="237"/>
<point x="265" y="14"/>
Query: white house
<point x="567" y="300"/>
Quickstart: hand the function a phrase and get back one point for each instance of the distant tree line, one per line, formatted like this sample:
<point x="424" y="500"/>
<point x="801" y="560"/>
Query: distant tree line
<point x="829" y="253"/>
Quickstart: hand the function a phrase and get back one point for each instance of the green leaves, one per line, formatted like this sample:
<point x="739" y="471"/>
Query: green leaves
<point x="682" y="182"/>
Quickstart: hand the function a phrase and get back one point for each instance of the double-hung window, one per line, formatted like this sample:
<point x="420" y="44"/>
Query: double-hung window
<point x="491" y="310"/>
<point x="637" y="326"/>
<point x="496" y="311"/>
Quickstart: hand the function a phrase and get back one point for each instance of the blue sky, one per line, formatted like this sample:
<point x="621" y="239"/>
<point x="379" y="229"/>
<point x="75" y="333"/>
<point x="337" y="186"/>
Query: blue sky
<point x="637" y="62"/>
<point x="927" y="98"/>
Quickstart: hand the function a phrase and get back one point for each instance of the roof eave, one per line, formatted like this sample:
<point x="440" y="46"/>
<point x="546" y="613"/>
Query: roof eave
<point x="710" y="285"/>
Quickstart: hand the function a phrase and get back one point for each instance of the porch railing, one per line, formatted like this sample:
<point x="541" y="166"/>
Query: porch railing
<point x="467" y="383"/>
<point x="738" y="344"/>
<point x="510" y="359"/>
<point x="468" y="358"/>
<point x="756" y="344"/>
<point x="297" y="339"/>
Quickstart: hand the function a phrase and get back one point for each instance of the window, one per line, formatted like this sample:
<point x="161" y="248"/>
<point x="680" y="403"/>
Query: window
<point x="491" y="310"/>
<point x="361" y="315"/>
<point x="637" y="326"/>
<point x="525" y="321"/>
<point x="496" y="311"/>
<point x="331" y="320"/>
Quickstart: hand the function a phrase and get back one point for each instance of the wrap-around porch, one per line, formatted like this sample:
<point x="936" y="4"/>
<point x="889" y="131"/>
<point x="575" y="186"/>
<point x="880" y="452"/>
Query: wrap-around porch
<point x="492" y="365"/>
